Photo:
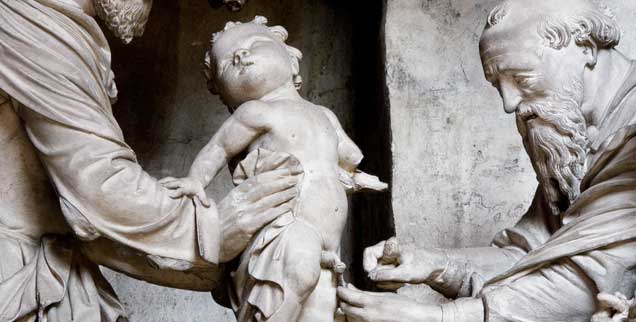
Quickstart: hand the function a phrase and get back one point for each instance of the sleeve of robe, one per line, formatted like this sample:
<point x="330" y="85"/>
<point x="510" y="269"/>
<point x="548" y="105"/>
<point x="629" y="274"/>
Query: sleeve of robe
<point x="470" y="268"/>
<point x="56" y="64"/>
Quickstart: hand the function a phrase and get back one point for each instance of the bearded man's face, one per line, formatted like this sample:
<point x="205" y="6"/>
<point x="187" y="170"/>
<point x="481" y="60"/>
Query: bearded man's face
<point x="554" y="135"/>
<point x="125" y="18"/>
<point x="544" y="88"/>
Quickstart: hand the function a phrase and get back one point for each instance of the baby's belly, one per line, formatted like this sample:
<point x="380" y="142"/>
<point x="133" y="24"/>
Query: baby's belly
<point x="323" y="203"/>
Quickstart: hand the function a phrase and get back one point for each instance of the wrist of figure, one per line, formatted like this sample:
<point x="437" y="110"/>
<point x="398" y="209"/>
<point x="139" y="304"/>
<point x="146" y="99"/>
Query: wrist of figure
<point x="423" y="313"/>
<point x="449" y="277"/>
<point x="463" y="310"/>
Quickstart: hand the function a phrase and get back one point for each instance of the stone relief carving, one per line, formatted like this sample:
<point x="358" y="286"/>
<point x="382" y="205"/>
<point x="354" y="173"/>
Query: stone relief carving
<point x="279" y="276"/>
<point x="570" y="258"/>
<point x="556" y="67"/>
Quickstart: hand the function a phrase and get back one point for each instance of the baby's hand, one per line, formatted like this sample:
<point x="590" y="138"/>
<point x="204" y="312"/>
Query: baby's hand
<point x="186" y="187"/>
<point x="365" y="181"/>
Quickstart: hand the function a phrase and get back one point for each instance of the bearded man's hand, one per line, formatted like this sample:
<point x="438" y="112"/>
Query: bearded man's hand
<point x="391" y="267"/>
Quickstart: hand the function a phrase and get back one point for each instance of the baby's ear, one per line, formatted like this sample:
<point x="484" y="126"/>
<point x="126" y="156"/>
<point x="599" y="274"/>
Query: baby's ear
<point x="296" y="55"/>
<point x="209" y="73"/>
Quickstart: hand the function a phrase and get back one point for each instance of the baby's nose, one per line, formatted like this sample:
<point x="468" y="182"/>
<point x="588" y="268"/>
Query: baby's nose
<point x="240" y="54"/>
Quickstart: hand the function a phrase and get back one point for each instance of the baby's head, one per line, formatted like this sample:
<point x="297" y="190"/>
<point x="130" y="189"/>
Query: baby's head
<point x="248" y="60"/>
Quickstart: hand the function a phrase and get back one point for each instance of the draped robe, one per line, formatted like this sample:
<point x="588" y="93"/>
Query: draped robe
<point x="590" y="248"/>
<point x="56" y="80"/>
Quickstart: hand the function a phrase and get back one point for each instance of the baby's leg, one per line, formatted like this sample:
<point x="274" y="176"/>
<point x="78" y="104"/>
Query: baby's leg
<point x="322" y="303"/>
<point x="302" y="270"/>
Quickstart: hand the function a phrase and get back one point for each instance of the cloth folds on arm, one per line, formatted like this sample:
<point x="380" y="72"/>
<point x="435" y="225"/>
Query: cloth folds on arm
<point x="56" y="64"/>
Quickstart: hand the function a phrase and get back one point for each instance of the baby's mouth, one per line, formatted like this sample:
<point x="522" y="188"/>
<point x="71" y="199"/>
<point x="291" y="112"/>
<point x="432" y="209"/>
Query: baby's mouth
<point x="243" y="65"/>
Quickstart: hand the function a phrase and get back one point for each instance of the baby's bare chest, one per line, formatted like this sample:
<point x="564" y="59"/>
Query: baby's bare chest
<point x="307" y="132"/>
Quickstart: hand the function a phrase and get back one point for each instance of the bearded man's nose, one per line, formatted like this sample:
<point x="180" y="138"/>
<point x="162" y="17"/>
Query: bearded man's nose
<point x="511" y="98"/>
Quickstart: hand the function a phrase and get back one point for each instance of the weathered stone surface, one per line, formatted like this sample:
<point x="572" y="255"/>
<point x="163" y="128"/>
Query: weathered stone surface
<point x="460" y="171"/>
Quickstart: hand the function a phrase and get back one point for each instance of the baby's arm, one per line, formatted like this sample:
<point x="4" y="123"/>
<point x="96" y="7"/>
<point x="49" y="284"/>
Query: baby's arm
<point x="242" y="128"/>
<point x="349" y="154"/>
<point x="350" y="157"/>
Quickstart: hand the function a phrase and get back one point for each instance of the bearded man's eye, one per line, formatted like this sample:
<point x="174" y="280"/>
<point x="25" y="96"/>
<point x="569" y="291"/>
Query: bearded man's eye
<point x="525" y="81"/>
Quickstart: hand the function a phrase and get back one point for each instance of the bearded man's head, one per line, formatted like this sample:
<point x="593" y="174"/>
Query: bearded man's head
<point x="536" y="54"/>
<point x="125" y="18"/>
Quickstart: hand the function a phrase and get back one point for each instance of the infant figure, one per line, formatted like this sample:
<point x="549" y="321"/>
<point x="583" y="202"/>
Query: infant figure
<point x="290" y="269"/>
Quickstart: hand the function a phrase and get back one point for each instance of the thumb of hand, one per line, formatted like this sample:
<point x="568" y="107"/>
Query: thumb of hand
<point x="397" y="274"/>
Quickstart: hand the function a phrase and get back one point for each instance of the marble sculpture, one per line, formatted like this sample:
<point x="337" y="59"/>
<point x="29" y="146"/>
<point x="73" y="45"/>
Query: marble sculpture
<point x="572" y="256"/>
<point x="257" y="76"/>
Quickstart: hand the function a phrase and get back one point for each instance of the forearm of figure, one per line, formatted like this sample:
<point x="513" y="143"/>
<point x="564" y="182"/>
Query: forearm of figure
<point x="104" y="192"/>
<point x="560" y="291"/>
<point x="152" y="269"/>
<point x="208" y="163"/>
<point x="463" y="310"/>
<point x="234" y="136"/>
<point x="466" y="269"/>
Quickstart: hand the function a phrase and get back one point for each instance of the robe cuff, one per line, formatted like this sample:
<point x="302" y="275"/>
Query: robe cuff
<point x="209" y="235"/>
<point x="463" y="310"/>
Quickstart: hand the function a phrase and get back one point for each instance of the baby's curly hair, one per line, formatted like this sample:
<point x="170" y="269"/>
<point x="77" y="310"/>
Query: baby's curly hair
<point x="278" y="31"/>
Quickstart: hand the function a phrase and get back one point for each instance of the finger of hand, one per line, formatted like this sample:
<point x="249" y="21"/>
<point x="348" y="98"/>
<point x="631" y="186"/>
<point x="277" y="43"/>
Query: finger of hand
<point x="274" y="200"/>
<point x="352" y="312"/>
<point x="389" y="286"/>
<point x="268" y="188"/>
<point x="173" y="184"/>
<point x="176" y="194"/>
<point x="166" y="180"/>
<point x="203" y="198"/>
<point x="271" y="214"/>
<point x="272" y="162"/>
<point x="372" y="255"/>
<point x="369" y="294"/>
<point x="397" y="274"/>
<point x="273" y="175"/>
<point x="353" y="297"/>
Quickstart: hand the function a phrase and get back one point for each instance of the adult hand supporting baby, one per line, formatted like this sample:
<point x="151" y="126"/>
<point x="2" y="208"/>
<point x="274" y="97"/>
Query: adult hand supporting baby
<point x="255" y="203"/>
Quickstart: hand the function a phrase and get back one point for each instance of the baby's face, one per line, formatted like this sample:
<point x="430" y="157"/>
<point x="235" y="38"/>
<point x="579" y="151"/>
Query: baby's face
<point x="250" y="62"/>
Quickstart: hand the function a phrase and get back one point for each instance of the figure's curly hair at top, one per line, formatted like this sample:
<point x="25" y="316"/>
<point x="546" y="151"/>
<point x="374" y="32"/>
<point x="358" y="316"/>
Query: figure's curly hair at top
<point x="279" y="33"/>
<point x="126" y="19"/>
<point x="594" y="24"/>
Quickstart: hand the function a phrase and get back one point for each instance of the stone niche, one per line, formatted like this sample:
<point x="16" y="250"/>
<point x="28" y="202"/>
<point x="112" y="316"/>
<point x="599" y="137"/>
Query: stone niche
<point x="167" y="114"/>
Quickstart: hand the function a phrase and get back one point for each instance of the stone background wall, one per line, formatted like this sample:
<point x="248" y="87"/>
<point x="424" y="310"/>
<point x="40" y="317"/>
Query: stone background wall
<point x="460" y="171"/>
<point x="431" y="124"/>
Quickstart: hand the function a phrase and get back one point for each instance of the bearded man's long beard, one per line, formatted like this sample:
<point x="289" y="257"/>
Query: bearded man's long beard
<point x="125" y="18"/>
<point x="556" y="140"/>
